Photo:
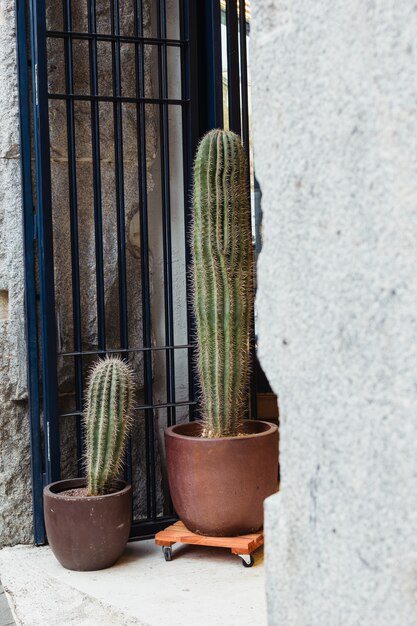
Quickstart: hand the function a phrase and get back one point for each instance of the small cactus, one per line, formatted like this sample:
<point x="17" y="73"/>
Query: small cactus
<point x="108" y="419"/>
<point x="222" y="280"/>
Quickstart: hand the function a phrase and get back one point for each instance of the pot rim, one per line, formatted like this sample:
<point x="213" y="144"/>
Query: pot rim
<point x="170" y="431"/>
<point x="47" y="491"/>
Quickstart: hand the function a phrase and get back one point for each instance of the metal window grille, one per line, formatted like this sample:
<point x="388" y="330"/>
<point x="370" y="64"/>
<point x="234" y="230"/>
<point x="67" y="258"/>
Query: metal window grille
<point x="175" y="101"/>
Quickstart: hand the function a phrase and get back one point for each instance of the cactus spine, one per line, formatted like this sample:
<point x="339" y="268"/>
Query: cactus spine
<point x="222" y="280"/>
<point x="107" y="420"/>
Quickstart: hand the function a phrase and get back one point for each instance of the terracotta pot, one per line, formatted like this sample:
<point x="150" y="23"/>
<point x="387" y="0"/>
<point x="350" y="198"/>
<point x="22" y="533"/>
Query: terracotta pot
<point x="87" y="533"/>
<point x="218" y="485"/>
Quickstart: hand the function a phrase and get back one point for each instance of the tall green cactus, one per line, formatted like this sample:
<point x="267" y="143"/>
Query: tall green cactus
<point x="222" y="277"/>
<point x="108" y="419"/>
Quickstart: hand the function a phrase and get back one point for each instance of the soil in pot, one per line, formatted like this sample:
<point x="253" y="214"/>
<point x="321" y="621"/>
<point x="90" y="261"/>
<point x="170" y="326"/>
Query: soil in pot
<point x="87" y="532"/>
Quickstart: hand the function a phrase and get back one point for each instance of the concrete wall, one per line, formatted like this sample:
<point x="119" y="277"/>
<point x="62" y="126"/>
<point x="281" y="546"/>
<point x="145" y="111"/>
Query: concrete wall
<point x="335" y="127"/>
<point x="15" y="495"/>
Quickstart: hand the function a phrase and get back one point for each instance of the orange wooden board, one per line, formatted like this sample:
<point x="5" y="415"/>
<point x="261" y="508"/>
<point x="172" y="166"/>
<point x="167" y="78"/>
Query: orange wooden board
<point x="178" y="533"/>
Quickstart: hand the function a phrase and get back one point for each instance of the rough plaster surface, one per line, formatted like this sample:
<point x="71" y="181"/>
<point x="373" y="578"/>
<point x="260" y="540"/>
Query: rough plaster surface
<point x="335" y="127"/>
<point x="15" y="501"/>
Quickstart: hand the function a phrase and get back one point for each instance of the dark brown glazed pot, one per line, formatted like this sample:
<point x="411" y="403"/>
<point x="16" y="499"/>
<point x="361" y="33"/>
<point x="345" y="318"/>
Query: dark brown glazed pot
<point x="87" y="533"/>
<point x="218" y="485"/>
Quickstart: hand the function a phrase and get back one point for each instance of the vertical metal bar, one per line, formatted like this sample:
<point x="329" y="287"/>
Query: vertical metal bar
<point x="166" y="211"/>
<point x="73" y="205"/>
<point x="189" y="73"/>
<point x="215" y="65"/>
<point x="119" y="171"/>
<point x="245" y="138"/>
<point x="210" y="65"/>
<point x="95" y="144"/>
<point x="244" y="77"/>
<point x="233" y="66"/>
<point x="30" y="269"/>
<point x="45" y="242"/>
<point x="145" y="275"/>
<point x="120" y="195"/>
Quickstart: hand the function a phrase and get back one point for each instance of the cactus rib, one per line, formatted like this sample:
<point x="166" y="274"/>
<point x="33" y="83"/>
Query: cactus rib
<point x="108" y="419"/>
<point x="222" y="280"/>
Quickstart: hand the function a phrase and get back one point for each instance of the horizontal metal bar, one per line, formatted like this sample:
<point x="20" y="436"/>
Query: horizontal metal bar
<point x="91" y="98"/>
<point x="152" y="41"/>
<point x="141" y="407"/>
<point x="120" y="350"/>
<point x="147" y="529"/>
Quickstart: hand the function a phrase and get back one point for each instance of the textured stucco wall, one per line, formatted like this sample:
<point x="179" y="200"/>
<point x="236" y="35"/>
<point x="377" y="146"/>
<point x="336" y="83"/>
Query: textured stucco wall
<point x="15" y="495"/>
<point x="335" y="127"/>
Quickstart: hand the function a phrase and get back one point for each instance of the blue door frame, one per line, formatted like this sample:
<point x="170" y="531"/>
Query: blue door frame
<point x="202" y="109"/>
<point x="30" y="228"/>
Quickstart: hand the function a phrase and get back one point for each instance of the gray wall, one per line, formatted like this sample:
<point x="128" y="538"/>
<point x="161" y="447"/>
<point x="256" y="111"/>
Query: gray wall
<point x="15" y="497"/>
<point x="335" y="127"/>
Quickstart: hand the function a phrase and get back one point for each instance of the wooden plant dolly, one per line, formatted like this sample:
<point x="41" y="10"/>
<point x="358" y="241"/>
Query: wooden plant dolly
<point x="242" y="546"/>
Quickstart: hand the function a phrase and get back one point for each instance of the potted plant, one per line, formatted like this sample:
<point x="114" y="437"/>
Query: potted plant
<point x="221" y="469"/>
<point x="88" y="519"/>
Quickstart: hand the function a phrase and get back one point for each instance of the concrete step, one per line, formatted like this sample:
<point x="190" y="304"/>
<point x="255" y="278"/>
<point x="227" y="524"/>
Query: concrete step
<point x="201" y="586"/>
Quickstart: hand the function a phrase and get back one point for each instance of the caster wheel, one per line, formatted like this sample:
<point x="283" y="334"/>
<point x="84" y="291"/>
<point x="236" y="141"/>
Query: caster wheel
<point x="247" y="560"/>
<point x="167" y="553"/>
